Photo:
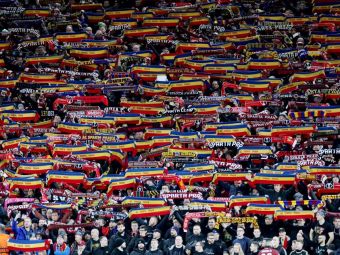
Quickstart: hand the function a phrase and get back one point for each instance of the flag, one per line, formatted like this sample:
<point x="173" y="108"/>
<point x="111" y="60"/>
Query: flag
<point x="329" y="111"/>
<point x="200" y="177"/>
<point x="124" y="23"/>
<point x="65" y="177"/>
<point x="198" y="167"/>
<point x="34" y="168"/>
<point x="206" y="109"/>
<point x="94" y="18"/>
<point x="121" y="184"/>
<point x="140" y="16"/>
<point x="86" y="6"/>
<point x="149" y="212"/>
<point x="307" y="76"/>
<point x="189" y="46"/>
<point x="333" y="48"/>
<point x="286" y="131"/>
<point x="218" y="68"/>
<point x="139" y="172"/>
<point x="227" y="177"/>
<point x="235" y="130"/>
<point x="293" y="215"/>
<point x="119" y="14"/>
<point x="255" y="150"/>
<point x="25" y="183"/>
<point x="245" y="74"/>
<point x="186" y="85"/>
<point x="187" y="15"/>
<point x="244" y="200"/>
<point x="260" y="178"/>
<point x="126" y="146"/>
<point x="262" y="209"/>
<point x="240" y="33"/>
<point x="21" y="116"/>
<point x="8" y="83"/>
<point x="149" y="91"/>
<point x="161" y="22"/>
<point x="93" y="155"/>
<point x="213" y="126"/>
<point x="152" y="120"/>
<point x="5" y="45"/>
<point x="146" y="110"/>
<point x="263" y="64"/>
<point x="136" y="32"/>
<point x="126" y="118"/>
<point x="37" y="78"/>
<point x="152" y="132"/>
<point x="64" y="149"/>
<point x="53" y="206"/>
<point x="187" y="152"/>
<point x="254" y="86"/>
<point x="324" y="170"/>
<point x="73" y="128"/>
<point x="71" y="37"/>
<point x="145" y="202"/>
<point x="199" y="21"/>
<point x="13" y="143"/>
<point x="286" y="166"/>
<point x="163" y="140"/>
<point x="28" y="245"/>
<point x="197" y="65"/>
<point x="43" y="60"/>
<point x="89" y="53"/>
<point x="215" y="206"/>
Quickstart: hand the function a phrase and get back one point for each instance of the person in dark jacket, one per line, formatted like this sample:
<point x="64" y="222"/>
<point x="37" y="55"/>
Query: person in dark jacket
<point x="121" y="233"/>
<point x="142" y="235"/>
<point x="93" y="244"/>
<point x="194" y="237"/>
<point x="104" y="248"/>
<point x="139" y="248"/>
<point x="277" y="193"/>
<point x="171" y="240"/>
<point x="119" y="247"/>
<point x="210" y="247"/>
<point x="154" y="248"/>
<point x="178" y="248"/>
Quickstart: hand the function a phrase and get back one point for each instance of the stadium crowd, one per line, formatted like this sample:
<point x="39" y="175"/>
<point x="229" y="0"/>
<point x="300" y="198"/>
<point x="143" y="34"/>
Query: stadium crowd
<point x="189" y="127"/>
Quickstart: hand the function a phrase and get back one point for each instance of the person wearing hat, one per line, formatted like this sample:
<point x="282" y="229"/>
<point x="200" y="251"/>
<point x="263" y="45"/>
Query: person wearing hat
<point x="78" y="240"/>
<point x="120" y="247"/>
<point x="157" y="235"/>
<point x="171" y="240"/>
<point x="321" y="227"/>
<point x="269" y="227"/>
<point x="143" y="231"/>
<point x="139" y="248"/>
<point x="121" y="233"/>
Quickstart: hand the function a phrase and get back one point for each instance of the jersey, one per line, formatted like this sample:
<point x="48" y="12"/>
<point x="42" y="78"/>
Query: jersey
<point x="268" y="251"/>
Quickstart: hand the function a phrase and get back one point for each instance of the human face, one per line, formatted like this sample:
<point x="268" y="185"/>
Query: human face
<point x="134" y="226"/>
<point x="211" y="223"/>
<point x="60" y="240"/>
<point x="95" y="234"/>
<point x="121" y="228"/>
<point x="298" y="246"/>
<point x="27" y="223"/>
<point x="103" y="241"/>
<point x="240" y="232"/>
<point x="336" y="223"/>
<point x="178" y="241"/>
<point x="257" y="232"/>
<point x="197" y="230"/>
<point x="142" y="232"/>
<point x="55" y="216"/>
<point x="154" y="244"/>
<point x="277" y="187"/>
<point x="211" y="239"/>
<point x="275" y="242"/>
